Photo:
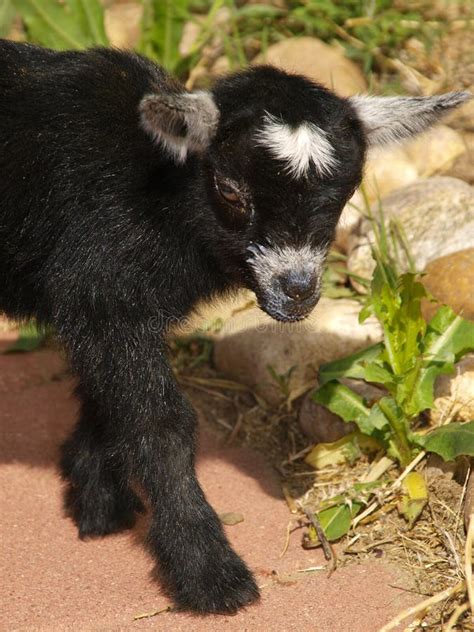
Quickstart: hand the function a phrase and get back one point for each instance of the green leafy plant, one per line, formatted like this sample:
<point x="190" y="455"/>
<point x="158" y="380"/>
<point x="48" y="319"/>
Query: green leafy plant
<point x="162" y="29"/>
<point x="7" y="13"/>
<point x="366" y="28"/>
<point x="63" y="24"/>
<point x="369" y="30"/>
<point x="336" y="513"/>
<point x="408" y="361"/>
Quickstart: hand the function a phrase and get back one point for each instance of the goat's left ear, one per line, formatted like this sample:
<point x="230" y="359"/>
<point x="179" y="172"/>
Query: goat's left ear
<point x="182" y="121"/>
<point x="392" y="119"/>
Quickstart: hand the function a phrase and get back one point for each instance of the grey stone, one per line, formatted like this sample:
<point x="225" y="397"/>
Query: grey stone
<point x="251" y="346"/>
<point x="437" y="215"/>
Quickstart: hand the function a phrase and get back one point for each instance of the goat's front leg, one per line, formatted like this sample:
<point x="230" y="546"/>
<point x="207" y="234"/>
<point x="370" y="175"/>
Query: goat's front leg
<point x="186" y="535"/>
<point x="98" y="496"/>
<point x="151" y="425"/>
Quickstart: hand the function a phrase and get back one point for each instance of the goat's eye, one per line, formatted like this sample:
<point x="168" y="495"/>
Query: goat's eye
<point x="229" y="194"/>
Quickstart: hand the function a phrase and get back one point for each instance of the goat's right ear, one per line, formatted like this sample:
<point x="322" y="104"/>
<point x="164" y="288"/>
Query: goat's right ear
<point x="393" y="119"/>
<point x="182" y="122"/>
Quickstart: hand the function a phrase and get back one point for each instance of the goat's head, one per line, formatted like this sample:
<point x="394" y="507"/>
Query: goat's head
<point x="281" y="156"/>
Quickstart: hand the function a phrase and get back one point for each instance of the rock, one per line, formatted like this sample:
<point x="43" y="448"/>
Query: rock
<point x="440" y="9"/>
<point x="436" y="150"/>
<point x="437" y="467"/>
<point x="387" y="169"/>
<point x="450" y="280"/>
<point x="437" y="215"/>
<point x="122" y="23"/>
<point x="321" y="425"/>
<point x="462" y="167"/>
<point x="462" y="118"/>
<point x="318" y="61"/>
<point x="454" y="394"/>
<point x="209" y="318"/>
<point x="250" y="342"/>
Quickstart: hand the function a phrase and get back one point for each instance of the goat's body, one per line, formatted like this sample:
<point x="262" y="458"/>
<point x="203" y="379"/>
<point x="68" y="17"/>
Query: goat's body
<point x="123" y="201"/>
<point x="88" y="243"/>
<point x="80" y="180"/>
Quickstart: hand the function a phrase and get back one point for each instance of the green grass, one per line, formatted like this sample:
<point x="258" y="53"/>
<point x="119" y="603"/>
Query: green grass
<point x="369" y="30"/>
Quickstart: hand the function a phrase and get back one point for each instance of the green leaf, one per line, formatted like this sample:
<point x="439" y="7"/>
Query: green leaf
<point x="341" y="451"/>
<point x="450" y="441"/>
<point x="352" y="366"/>
<point x="347" y="449"/>
<point x="397" y="432"/>
<point x="414" y="497"/>
<point x="378" y="419"/>
<point x="376" y="373"/>
<point x="410" y="322"/>
<point x="7" y="13"/>
<point x="448" y="335"/>
<point x="344" y="402"/>
<point x="399" y="310"/>
<point x="336" y="521"/>
<point x="422" y="395"/>
<point x="30" y="339"/>
<point x="69" y="24"/>
<point x="397" y="305"/>
<point x="447" y="338"/>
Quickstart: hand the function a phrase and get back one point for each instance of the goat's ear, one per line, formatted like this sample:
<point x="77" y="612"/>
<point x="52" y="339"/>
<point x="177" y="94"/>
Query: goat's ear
<point x="182" y="122"/>
<point x="392" y="119"/>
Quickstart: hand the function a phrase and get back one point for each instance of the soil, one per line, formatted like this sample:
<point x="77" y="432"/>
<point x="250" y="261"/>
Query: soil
<point x="429" y="555"/>
<point x="54" y="581"/>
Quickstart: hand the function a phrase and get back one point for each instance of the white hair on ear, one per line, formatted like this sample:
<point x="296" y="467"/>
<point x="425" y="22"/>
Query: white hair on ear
<point x="298" y="146"/>
<point x="181" y="122"/>
<point x="392" y="119"/>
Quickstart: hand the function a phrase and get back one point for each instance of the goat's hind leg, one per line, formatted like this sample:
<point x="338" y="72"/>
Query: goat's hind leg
<point x="98" y="496"/>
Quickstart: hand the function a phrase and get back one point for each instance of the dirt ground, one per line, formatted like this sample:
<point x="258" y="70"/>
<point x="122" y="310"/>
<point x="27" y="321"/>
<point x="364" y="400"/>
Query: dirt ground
<point x="52" y="581"/>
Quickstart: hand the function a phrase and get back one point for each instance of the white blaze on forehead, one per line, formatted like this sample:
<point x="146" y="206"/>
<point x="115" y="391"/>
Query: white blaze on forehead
<point x="270" y="262"/>
<point x="300" y="147"/>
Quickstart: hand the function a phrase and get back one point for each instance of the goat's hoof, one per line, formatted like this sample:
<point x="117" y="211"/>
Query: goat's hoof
<point x="223" y="588"/>
<point x="103" y="514"/>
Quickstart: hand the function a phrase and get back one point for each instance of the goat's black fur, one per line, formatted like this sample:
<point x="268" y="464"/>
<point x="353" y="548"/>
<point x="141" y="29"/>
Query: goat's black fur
<point x="102" y="230"/>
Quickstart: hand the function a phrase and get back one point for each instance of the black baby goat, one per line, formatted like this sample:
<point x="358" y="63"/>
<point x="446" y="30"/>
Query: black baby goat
<point x="122" y="198"/>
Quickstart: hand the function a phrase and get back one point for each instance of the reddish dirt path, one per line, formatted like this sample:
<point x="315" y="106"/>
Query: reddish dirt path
<point x="51" y="581"/>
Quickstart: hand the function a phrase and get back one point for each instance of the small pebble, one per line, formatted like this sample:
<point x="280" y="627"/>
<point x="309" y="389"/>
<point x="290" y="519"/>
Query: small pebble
<point x="231" y="517"/>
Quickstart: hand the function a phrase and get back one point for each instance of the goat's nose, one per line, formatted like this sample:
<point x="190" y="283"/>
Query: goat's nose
<point x="298" y="286"/>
